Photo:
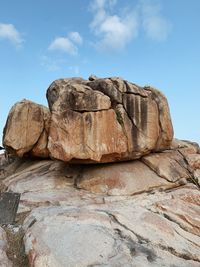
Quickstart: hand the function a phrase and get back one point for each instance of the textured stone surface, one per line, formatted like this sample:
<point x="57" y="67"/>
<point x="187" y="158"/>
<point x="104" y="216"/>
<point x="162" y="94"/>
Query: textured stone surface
<point x="106" y="120"/>
<point x="138" y="231"/>
<point x="26" y="129"/>
<point x="120" y="179"/>
<point x="45" y="183"/>
<point x="170" y="165"/>
<point x="194" y="161"/>
<point x="156" y="170"/>
<point x="4" y="261"/>
<point x="138" y="218"/>
<point x="91" y="121"/>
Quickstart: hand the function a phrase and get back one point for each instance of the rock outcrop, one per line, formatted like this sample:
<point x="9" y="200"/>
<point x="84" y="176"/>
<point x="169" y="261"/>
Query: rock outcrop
<point x="137" y="213"/>
<point x="99" y="120"/>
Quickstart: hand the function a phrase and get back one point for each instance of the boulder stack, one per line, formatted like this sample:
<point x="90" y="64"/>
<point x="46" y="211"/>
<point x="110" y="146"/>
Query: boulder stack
<point x="91" y="121"/>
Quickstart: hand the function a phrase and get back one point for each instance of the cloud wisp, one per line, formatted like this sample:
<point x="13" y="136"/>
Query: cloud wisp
<point x="114" y="31"/>
<point x="155" y="25"/>
<point x="67" y="44"/>
<point x="10" y="33"/>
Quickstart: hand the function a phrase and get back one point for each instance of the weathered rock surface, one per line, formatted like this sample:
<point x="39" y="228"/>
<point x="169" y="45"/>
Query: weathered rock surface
<point x="141" y="215"/>
<point x="122" y="179"/>
<point x="91" y="121"/>
<point x="106" y="120"/>
<point x="26" y="130"/>
<point x="144" y="230"/>
<point x="4" y="261"/>
<point x="156" y="170"/>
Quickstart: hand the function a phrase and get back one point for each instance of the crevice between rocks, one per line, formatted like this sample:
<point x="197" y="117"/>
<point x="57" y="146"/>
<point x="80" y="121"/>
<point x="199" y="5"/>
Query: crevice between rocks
<point x="91" y="111"/>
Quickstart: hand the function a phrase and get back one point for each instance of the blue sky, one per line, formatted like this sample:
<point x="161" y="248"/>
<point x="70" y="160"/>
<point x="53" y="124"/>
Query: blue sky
<point x="152" y="42"/>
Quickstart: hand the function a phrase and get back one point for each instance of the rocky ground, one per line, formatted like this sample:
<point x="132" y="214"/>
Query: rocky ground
<point x="133" y="214"/>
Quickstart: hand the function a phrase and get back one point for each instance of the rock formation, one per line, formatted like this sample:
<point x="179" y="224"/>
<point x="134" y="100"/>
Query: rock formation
<point x="99" y="120"/>
<point x="136" y="213"/>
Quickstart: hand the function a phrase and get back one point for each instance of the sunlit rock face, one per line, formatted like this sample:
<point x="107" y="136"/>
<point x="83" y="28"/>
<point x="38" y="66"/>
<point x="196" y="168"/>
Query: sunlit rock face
<point x="106" y="120"/>
<point x="26" y="130"/>
<point x="91" y="121"/>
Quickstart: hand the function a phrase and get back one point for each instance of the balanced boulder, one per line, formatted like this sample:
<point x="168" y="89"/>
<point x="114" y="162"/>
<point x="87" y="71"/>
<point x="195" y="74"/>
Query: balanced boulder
<point x="106" y="120"/>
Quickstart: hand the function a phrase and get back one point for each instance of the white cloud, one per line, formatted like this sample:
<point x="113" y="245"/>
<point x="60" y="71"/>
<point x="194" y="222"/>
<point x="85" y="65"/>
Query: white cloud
<point x="76" y="38"/>
<point x="63" y="44"/>
<point x="9" y="32"/>
<point x="157" y="28"/>
<point x="155" y="25"/>
<point x="114" y="32"/>
<point x="68" y="44"/>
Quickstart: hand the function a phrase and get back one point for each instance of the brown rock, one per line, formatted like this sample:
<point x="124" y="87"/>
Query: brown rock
<point x="26" y="129"/>
<point x="95" y="120"/>
<point x="169" y="164"/>
<point x="193" y="161"/>
<point x="185" y="147"/>
<point x="183" y="208"/>
<point x="85" y="137"/>
<point x="126" y="178"/>
<point x="166" y="129"/>
<point x="106" y="120"/>
<point x="197" y="175"/>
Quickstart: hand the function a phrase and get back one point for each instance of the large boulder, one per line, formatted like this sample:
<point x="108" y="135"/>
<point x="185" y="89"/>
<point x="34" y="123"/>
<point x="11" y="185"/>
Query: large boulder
<point x="106" y="120"/>
<point x="26" y="130"/>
